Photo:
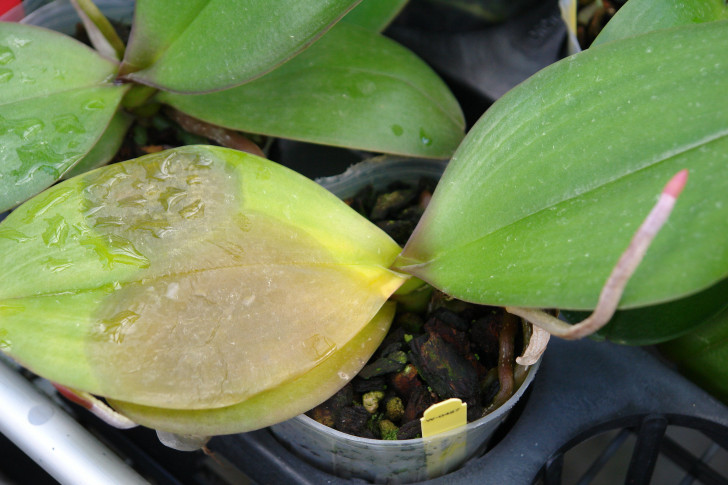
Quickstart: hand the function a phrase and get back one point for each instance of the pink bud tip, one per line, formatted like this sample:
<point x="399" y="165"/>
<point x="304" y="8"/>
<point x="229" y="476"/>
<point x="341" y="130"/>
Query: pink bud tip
<point x="72" y="396"/>
<point x="676" y="183"/>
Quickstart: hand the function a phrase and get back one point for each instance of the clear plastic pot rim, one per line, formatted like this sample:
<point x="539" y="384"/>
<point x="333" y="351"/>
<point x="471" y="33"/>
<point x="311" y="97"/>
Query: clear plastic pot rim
<point x="496" y="415"/>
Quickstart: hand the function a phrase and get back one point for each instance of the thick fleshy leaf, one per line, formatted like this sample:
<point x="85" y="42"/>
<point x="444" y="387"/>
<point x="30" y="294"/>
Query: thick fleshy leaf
<point x="56" y="99"/>
<point x="106" y="147"/>
<point x="275" y="405"/>
<point x="375" y="14"/>
<point x="203" y="45"/>
<point x="546" y="191"/>
<point x="99" y="30"/>
<point x="353" y="88"/>
<point x="659" y="323"/>
<point x="702" y="355"/>
<point x="641" y="16"/>
<point x="192" y="279"/>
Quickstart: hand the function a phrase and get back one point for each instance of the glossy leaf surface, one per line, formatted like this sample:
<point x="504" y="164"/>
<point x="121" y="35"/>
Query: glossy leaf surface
<point x="640" y="16"/>
<point x="106" y="147"/>
<point x="56" y="98"/>
<point x="275" y="405"/>
<point x="659" y="323"/>
<point x="375" y="14"/>
<point x="203" y="45"/>
<point x="191" y="279"/>
<point x="548" y="188"/>
<point x="352" y="88"/>
<point x="702" y="355"/>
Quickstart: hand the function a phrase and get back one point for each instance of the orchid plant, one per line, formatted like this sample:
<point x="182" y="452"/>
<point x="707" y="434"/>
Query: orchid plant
<point x="285" y="69"/>
<point x="206" y="291"/>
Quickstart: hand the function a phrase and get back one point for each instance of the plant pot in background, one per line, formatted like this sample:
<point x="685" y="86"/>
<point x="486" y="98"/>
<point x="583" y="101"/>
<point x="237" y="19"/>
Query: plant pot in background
<point x="390" y="461"/>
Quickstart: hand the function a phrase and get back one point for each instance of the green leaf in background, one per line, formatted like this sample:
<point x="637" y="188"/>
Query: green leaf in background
<point x="353" y="88"/>
<point x="640" y="16"/>
<point x="659" y="323"/>
<point x="375" y="14"/>
<point x="548" y="188"/>
<point x="702" y="355"/>
<point x="277" y="404"/>
<point x="203" y="45"/>
<point x="56" y="99"/>
<point x="106" y="147"/>
<point x="189" y="279"/>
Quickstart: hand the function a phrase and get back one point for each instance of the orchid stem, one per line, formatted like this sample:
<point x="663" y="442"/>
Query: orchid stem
<point x="97" y="407"/>
<point x="614" y="287"/>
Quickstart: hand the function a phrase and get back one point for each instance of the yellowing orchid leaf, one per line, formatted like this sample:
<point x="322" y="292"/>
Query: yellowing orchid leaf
<point x="191" y="279"/>
<point x="277" y="404"/>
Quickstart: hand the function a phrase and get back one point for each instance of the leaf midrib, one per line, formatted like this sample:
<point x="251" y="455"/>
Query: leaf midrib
<point x="646" y="165"/>
<point x="101" y="84"/>
<point x="156" y="278"/>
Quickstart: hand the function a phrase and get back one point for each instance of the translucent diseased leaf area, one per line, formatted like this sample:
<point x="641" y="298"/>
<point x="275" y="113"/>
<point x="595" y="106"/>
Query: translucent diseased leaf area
<point x="548" y="188"/>
<point x="56" y="99"/>
<point x="277" y="404"/>
<point x="189" y="279"/>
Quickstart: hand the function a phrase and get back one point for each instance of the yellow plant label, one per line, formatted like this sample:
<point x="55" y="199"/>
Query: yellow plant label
<point x="444" y="416"/>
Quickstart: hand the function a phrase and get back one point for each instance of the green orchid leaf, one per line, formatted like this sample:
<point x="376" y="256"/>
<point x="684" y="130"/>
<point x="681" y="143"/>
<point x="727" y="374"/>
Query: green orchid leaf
<point x="100" y="31"/>
<point x="641" y="16"/>
<point x="189" y="279"/>
<point x="375" y="15"/>
<point x="548" y="188"/>
<point x="278" y="404"/>
<point x="208" y="45"/>
<point x="56" y="99"/>
<point x="353" y="88"/>
<point x="660" y="323"/>
<point x="679" y="316"/>
<point x="106" y="147"/>
<point x="702" y="355"/>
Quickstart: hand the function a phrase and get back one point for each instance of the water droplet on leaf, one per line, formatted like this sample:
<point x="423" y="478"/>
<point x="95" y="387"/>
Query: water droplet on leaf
<point x="319" y="346"/>
<point x="195" y="209"/>
<point x="56" y="233"/>
<point x="113" y="249"/>
<point x="5" y="75"/>
<point x="94" y="104"/>
<point x="425" y="139"/>
<point x="56" y="265"/>
<point x="13" y="235"/>
<point x="6" y="55"/>
<point x="68" y="124"/>
<point x="5" y="343"/>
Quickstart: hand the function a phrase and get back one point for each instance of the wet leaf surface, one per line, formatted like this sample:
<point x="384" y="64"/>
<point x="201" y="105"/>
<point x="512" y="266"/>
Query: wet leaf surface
<point x="235" y="40"/>
<point x="547" y="189"/>
<point x="353" y="88"/>
<point x="56" y="99"/>
<point x="175" y="280"/>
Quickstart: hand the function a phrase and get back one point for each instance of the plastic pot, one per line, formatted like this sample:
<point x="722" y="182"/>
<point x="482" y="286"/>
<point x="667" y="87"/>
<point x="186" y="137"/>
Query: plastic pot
<point x="383" y="461"/>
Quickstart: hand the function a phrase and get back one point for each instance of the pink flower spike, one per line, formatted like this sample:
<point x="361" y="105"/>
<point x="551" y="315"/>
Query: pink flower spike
<point x="614" y="286"/>
<point x="97" y="407"/>
<point x="676" y="184"/>
<point x="73" y="396"/>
